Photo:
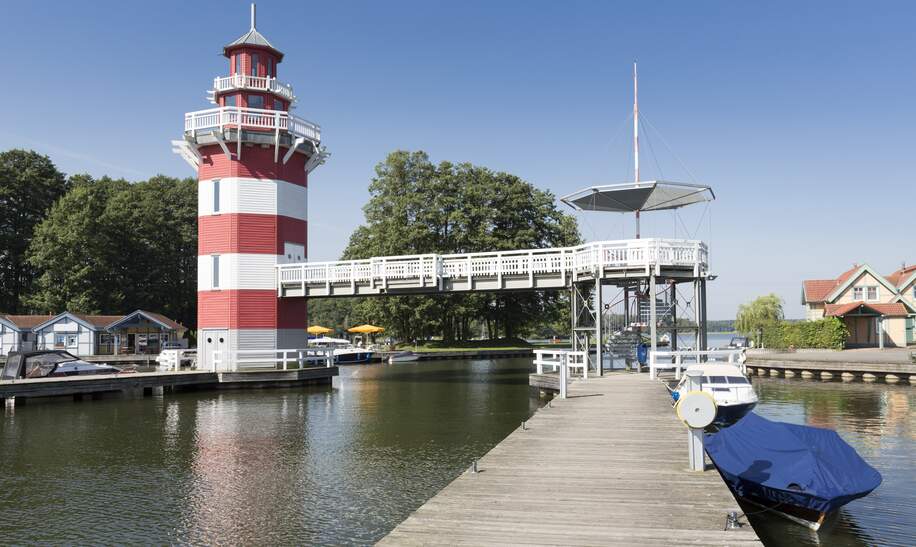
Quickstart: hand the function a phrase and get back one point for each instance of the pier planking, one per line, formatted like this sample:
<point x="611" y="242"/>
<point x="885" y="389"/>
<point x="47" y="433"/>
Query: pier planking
<point x="606" y="466"/>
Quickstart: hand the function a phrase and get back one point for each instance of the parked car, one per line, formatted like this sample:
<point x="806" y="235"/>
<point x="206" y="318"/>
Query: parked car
<point x="50" y="363"/>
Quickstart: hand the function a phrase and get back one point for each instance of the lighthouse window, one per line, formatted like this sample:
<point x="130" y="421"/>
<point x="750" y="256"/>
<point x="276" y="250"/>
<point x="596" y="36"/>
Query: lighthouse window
<point x="278" y="105"/>
<point x="230" y="100"/>
<point x="254" y="64"/>
<point x="238" y="63"/>
<point x="255" y="101"/>
<point x="215" y="259"/>
<point x="216" y="196"/>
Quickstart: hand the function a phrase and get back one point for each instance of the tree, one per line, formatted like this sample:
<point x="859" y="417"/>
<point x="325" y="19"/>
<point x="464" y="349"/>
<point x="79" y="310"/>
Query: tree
<point x="417" y="207"/>
<point x="754" y="317"/>
<point x="112" y="247"/>
<point x="29" y="186"/>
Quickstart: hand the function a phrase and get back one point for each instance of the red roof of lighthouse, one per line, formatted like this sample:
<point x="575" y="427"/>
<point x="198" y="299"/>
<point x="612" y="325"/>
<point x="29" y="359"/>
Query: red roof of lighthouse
<point x="252" y="38"/>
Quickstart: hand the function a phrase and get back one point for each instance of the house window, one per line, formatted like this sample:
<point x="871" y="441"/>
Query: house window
<point x="60" y="340"/>
<point x="72" y="341"/>
<point x="25" y="337"/>
<point x="254" y="64"/>
<point x="914" y="292"/>
<point x="255" y="101"/>
<point x="869" y="293"/>
<point x="215" y="271"/>
<point x="216" y="196"/>
<point x="229" y="100"/>
<point x="872" y="293"/>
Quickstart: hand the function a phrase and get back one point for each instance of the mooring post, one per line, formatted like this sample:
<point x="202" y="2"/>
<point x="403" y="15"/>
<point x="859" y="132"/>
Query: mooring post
<point x="564" y="372"/>
<point x="695" y="434"/>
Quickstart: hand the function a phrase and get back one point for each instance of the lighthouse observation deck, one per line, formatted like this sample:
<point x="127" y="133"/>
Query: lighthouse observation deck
<point x="535" y="269"/>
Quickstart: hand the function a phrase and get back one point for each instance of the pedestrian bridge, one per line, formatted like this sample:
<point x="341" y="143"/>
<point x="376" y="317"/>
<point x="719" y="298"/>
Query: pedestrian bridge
<point x="533" y="269"/>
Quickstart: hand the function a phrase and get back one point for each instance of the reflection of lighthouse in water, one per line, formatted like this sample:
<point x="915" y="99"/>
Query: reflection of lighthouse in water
<point x="252" y="158"/>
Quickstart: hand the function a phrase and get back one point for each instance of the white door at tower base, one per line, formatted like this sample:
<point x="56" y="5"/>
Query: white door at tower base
<point x="214" y="350"/>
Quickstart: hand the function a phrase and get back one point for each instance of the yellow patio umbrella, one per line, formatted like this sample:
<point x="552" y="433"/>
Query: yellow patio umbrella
<point x="366" y="329"/>
<point x="317" y="329"/>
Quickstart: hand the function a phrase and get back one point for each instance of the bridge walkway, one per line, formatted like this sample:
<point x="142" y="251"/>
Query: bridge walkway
<point x="531" y="269"/>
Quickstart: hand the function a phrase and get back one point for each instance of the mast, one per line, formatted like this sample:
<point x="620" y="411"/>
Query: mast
<point x="636" y="135"/>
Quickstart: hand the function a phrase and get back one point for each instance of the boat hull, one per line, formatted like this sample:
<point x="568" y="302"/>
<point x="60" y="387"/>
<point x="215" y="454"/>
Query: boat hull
<point x="726" y="415"/>
<point x="354" y="357"/>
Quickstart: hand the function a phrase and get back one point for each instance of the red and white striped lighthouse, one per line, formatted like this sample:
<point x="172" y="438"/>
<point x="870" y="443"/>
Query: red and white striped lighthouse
<point x="252" y="159"/>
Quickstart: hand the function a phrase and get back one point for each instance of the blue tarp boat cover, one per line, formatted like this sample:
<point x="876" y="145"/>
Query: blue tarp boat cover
<point x="791" y="464"/>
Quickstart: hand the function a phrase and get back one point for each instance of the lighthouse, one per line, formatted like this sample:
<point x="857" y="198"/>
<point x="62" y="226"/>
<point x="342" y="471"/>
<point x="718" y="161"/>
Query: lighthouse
<point x="253" y="159"/>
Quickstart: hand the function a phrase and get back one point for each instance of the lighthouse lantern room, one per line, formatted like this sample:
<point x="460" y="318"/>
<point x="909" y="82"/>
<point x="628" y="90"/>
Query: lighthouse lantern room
<point x="253" y="159"/>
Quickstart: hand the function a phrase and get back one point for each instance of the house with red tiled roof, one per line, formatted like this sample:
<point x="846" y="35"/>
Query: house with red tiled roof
<point x="139" y="332"/>
<point x="878" y="310"/>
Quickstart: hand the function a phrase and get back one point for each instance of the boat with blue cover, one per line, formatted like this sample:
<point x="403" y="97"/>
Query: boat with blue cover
<point x="802" y="473"/>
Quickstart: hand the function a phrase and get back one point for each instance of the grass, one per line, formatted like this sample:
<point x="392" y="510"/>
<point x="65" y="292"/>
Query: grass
<point x="464" y="345"/>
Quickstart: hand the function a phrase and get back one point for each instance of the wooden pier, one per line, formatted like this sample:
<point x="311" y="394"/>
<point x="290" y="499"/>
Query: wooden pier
<point x="145" y="382"/>
<point x="606" y="466"/>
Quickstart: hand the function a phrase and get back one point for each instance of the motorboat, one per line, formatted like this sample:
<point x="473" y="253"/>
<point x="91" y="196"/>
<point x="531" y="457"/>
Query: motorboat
<point x="731" y="389"/>
<point x="800" y="472"/>
<point x="50" y="364"/>
<point x="403" y="357"/>
<point x="344" y="351"/>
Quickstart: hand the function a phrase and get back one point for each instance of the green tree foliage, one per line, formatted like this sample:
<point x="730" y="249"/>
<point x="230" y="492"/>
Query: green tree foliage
<point x="417" y="207"/>
<point x="29" y="186"/>
<point x="765" y="311"/>
<point x="108" y="246"/>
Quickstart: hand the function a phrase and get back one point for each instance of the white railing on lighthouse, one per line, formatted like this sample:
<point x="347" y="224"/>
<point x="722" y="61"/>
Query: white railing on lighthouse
<point x="258" y="83"/>
<point x="233" y="117"/>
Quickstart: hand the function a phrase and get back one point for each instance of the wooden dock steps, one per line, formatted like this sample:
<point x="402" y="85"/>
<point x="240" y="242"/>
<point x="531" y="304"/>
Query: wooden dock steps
<point x="605" y="466"/>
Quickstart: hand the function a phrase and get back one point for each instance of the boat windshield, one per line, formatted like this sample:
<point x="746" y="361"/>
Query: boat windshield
<point x="714" y="379"/>
<point x="737" y="380"/>
<point x="38" y="366"/>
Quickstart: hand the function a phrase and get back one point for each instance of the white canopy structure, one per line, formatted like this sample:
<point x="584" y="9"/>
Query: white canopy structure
<point x="630" y="197"/>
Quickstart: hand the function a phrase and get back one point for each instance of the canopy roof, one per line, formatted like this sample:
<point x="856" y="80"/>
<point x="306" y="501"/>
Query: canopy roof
<point x="652" y="195"/>
<point x="366" y="329"/>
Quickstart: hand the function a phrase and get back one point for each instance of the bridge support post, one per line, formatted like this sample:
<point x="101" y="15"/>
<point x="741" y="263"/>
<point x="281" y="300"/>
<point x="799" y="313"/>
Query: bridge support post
<point x="673" y="288"/>
<point x="653" y="314"/>
<point x="599" y="316"/>
<point x="701" y="316"/>
<point x="573" y="316"/>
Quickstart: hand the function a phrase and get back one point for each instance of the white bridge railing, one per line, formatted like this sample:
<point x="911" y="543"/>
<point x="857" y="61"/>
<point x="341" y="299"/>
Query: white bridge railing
<point x="430" y="268"/>
<point x="677" y="360"/>
<point x="233" y="117"/>
<point x="271" y="359"/>
<point x="562" y="361"/>
<point x="259" y="83"/>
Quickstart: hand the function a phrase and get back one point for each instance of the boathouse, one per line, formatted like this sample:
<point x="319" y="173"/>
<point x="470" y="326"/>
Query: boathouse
<point x="878" y="310"/>
<point x="139" y="332"/>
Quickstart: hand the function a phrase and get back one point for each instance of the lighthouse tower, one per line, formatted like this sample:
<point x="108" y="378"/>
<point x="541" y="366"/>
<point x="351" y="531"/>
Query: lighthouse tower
<point x="252" y="159"/>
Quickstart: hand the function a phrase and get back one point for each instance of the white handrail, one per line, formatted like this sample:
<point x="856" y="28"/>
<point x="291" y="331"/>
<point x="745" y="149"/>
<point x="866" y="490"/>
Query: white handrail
<point x="260" y="83"/>
<point x="678" y="358"/>
<point x="561" y="360"/>
<point x="270" y="359"/>
<point x="579" y="259"/>
<point x="250" y="118"/>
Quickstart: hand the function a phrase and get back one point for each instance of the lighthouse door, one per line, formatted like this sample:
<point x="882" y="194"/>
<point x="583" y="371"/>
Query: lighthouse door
<point x="214" y="345"/>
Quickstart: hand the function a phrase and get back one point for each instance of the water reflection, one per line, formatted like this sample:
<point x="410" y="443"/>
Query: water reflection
<point x="338" y="465"/>
<point x="877" y="420"/>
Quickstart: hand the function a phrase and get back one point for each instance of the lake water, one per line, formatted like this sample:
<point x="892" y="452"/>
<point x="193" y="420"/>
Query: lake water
<point x="345" y="464"/>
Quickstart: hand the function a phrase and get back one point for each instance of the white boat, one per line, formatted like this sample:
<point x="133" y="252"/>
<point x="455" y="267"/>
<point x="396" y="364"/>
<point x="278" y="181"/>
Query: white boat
<point x="344" y="350"/>
<point x="403" y="357"/>
<point x="731" y="389"/>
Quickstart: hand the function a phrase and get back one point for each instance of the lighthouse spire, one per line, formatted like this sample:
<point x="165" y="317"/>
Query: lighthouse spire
<point x="253" y="15"/>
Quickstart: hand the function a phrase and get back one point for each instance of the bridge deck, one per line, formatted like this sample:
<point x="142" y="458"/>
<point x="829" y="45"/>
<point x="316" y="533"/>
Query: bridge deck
<point x="606" y="466"/>
<point x="533" y="269"/>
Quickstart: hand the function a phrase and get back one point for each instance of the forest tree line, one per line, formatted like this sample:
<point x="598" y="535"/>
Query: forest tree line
<point x="94" y="246"/>
<point x="103" y="245"/>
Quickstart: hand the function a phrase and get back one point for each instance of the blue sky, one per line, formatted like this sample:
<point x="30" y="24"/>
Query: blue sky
<point x="799" y="114"/>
